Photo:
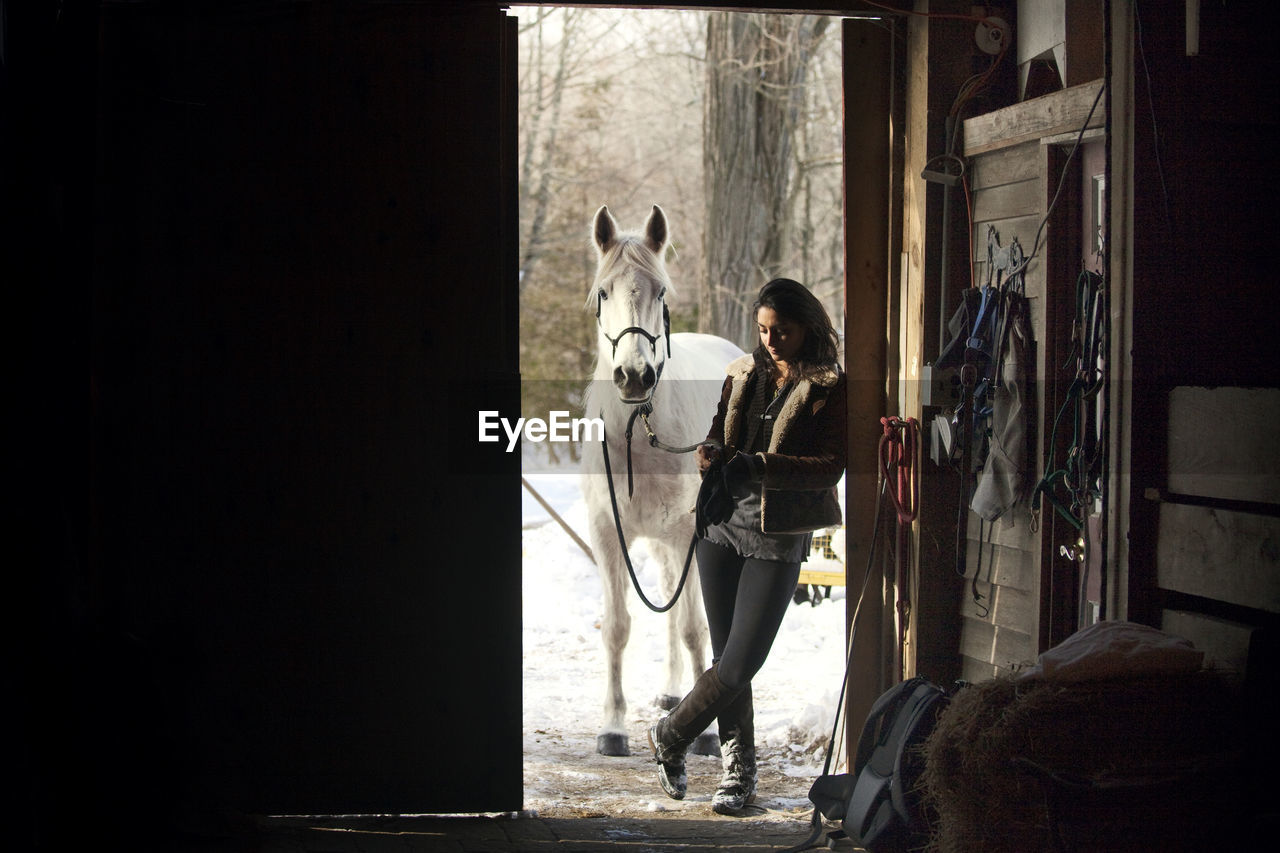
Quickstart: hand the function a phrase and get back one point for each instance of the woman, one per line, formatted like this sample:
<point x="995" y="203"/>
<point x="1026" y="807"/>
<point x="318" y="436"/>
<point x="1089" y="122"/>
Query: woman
<point x="781" y="421"/>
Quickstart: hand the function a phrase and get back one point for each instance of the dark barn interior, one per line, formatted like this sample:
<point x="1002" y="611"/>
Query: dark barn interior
<point x="262" y="257"/>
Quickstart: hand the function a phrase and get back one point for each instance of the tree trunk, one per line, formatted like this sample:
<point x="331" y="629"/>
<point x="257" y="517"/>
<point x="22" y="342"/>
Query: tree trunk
<point x="541" y="196"/>
<point x="756" y="71"/>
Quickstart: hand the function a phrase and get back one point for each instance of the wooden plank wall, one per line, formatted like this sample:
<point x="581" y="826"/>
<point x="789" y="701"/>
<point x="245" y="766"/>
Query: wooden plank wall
<point x="1007" y="188"/>
<point x="1223" y="443"/>
<point x="1012" y="163"/>
<point x="1217" y="549"/>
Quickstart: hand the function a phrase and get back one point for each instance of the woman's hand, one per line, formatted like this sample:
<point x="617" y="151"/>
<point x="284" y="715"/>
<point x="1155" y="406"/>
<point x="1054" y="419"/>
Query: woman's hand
<point x="739" y="471"/>
<point x="705" y="455"/>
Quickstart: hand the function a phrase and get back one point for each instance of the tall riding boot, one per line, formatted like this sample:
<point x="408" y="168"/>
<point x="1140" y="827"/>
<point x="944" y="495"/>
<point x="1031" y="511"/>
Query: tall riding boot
<point x="738" y="753"/>
<point x="670" y="737"/>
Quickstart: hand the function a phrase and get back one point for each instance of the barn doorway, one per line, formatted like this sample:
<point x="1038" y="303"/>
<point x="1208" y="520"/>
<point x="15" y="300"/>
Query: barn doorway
<point x="614" y="110"/>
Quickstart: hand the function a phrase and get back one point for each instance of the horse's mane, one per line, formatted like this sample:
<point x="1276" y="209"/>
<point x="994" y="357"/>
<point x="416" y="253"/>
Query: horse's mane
<point x="629" y="250"/>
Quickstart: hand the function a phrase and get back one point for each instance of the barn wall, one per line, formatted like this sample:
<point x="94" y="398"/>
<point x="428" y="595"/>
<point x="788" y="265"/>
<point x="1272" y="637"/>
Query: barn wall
<point x="1007" y="188"/>
<point x="1217" y="560"/>
<point x="1201" y="508"/>
<point x="1013" y="584"/>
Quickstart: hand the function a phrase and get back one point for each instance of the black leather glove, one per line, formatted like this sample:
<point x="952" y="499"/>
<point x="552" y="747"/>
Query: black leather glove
<point x="740" y="471"/>
<point x="715" y="504"/>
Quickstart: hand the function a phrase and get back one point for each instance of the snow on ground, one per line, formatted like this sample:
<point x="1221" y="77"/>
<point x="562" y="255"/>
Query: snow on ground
<point x="795" y="693"/>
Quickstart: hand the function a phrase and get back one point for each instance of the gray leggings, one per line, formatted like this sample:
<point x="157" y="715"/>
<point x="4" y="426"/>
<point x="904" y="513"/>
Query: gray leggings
<point x="745" y="599"/>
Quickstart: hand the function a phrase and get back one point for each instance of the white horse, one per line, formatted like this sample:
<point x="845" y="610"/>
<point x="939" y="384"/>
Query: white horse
<point x="639" y="362"/>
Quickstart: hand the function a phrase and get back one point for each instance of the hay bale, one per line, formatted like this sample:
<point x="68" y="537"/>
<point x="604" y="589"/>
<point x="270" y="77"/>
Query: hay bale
<point x="1099" y="733"/>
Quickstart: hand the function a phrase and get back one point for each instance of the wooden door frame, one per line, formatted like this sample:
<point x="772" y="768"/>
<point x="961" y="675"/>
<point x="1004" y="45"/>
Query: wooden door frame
<point x="873" y="165"/>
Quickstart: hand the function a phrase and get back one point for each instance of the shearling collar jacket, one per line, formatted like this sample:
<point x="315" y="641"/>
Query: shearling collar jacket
<point x="806" y="454"/>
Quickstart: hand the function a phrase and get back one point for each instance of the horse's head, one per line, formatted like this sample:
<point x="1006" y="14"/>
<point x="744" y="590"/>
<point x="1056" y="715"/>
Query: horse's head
<point x="628" y="296"/>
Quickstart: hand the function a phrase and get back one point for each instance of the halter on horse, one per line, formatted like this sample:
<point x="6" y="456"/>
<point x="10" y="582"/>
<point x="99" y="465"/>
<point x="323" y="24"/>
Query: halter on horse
<point x="652" y="339"/>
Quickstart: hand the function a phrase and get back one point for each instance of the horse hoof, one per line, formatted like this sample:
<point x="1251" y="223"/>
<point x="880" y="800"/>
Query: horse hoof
<point x="613" y="743"/>
<point x="666" y="701"/>
<point x="706" y="743"/>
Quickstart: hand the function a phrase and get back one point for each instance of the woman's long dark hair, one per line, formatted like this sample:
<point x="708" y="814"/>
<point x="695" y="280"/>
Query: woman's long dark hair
<point x="793" y="301"/>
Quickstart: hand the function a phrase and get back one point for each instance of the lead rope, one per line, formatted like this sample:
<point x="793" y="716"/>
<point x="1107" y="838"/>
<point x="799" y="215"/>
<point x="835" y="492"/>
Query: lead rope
<point x="654" y="442"/>
<point x="631" y="422"/>
<point x="643" y="412"/>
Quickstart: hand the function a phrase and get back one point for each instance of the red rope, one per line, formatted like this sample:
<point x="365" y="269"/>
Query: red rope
<point x="899" y="443"/>
<point x="898" y="448"/>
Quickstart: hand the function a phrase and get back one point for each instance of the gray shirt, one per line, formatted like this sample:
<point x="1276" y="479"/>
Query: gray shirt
<point x="742" y="534"/>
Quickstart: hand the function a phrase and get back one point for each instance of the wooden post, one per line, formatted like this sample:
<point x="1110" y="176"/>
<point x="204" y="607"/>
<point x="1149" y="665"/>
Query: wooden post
<point x="868" y="171"/>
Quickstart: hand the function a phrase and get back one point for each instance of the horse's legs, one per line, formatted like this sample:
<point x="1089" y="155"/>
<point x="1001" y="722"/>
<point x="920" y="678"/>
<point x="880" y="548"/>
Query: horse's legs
<point x="615" y="629"/>
<point x="693" y="622"/>
<point x="671" y="562"/>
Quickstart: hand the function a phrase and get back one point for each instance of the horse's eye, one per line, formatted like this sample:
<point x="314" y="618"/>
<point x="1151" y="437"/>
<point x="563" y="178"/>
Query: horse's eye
<point x="662" y="293"/>
<point x="604" y="295"/>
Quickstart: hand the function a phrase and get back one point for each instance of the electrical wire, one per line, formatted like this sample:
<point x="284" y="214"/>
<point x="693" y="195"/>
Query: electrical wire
<point x="1062" y="179"/>
<point x="968" y="209"/>
<point x="1151" y="106"/>
<point x="969" y="91"/>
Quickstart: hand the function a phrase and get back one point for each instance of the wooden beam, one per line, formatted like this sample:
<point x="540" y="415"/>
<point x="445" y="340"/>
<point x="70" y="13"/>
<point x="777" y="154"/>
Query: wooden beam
<point x="1058" y="112"/>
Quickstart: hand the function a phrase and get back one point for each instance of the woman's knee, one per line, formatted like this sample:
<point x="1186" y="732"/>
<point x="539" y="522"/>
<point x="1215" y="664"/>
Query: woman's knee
<point x="735" y="674"/>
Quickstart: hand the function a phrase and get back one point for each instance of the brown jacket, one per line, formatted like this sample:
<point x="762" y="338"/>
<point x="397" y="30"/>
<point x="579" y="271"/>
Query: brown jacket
<point x="806" y="454"/>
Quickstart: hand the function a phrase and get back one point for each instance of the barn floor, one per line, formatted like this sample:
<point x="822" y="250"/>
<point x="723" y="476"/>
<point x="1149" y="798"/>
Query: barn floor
<point x="507" y="833"/>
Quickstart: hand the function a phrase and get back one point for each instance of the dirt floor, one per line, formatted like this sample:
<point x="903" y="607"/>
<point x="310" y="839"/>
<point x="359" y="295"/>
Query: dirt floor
<point x="566" y="778"/>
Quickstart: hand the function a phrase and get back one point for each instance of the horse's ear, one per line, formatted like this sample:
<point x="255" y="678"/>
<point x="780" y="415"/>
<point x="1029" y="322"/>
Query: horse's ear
<point x="604" y="229"/>
<point x="655" y="231"/>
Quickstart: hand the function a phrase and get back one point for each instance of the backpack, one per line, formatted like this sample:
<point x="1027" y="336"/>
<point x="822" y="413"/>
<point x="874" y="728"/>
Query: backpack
<point x="879" y="803"/>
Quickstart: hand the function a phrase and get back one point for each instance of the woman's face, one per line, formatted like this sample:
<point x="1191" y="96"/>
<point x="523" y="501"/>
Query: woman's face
<point x="783" y="338"/>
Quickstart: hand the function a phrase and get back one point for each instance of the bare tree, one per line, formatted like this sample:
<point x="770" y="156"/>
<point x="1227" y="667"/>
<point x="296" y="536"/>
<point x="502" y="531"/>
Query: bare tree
<point x="609" y="114"/>
<point x="543" y="128"/>
<point x="756" y="72"/>
<point x="612" y="112"/>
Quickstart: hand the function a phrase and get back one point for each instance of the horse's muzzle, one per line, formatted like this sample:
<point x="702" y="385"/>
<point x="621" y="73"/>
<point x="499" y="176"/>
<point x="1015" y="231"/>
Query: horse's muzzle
<point x="635" y="386"/>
